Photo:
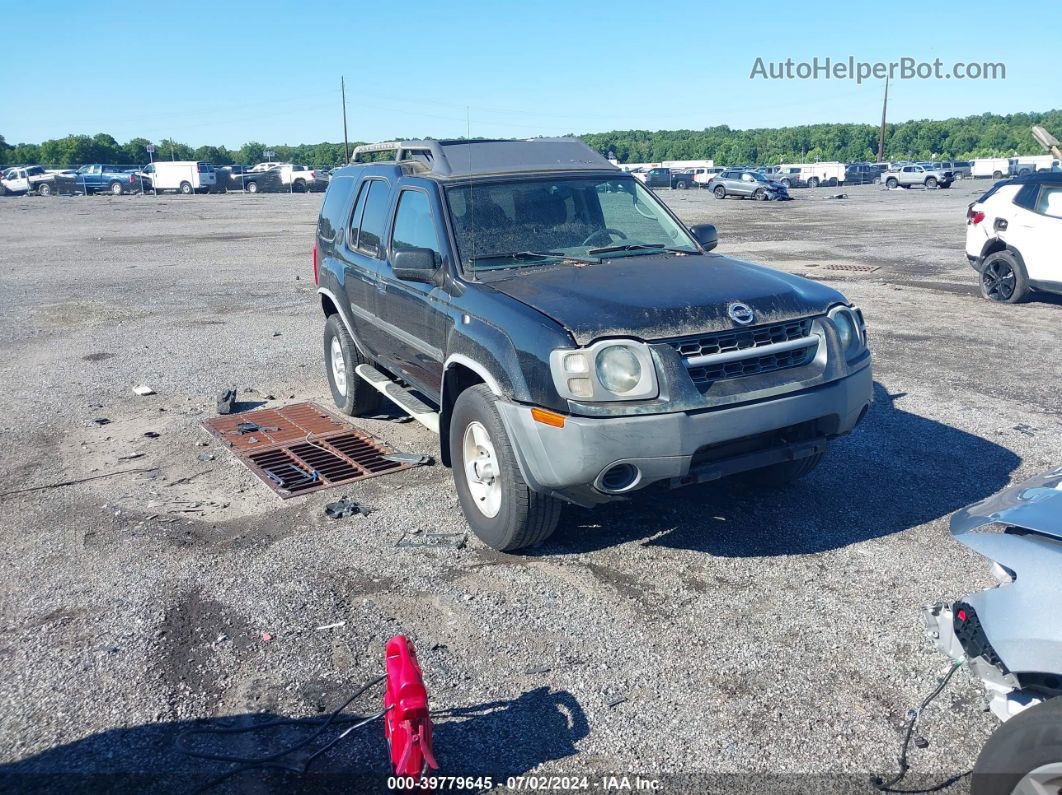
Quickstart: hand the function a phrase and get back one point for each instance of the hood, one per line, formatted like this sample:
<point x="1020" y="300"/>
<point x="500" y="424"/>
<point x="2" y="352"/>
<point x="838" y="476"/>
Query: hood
<point x="660" y="296"/>
<point x="1035" y="504"/>
<point x="775" y="184"/>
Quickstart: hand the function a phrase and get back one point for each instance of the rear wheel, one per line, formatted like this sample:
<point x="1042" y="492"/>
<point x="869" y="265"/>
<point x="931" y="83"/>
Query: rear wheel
<point x="681" y="184"/>
<point x="251" y="187"/>
<point x="720" y="192"/>
<point x="997" y="175"/>
<point x="44" y="189"/>
<point x="117" y="189"/>
<point x="891" y="182"/>
<point x="299" y="186"/>
<point x="186" y="187"/>
<point x="782" y="473"/>
<point x="1003" y="278"/>
<point x="787" y="183"/>
<point x="499" y="506"/>
<point x="352" y="394"/>
<point x="813" y="182"/>
<point x="1024" y="756"/>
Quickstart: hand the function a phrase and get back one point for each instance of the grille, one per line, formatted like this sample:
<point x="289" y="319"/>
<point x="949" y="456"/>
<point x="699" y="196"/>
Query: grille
<point x="741" y="340"/>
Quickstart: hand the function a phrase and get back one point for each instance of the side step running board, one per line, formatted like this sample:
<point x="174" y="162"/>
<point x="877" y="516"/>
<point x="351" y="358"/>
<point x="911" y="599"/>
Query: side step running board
<point x="417" y="409"/>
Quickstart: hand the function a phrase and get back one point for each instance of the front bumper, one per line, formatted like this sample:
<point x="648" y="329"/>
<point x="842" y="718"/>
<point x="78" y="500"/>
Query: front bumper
<point x="682" y="447"/>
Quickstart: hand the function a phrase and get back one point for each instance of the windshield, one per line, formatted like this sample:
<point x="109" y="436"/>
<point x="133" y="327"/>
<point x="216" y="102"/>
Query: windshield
<point x="758" y="176"/>
<point x="574" y="220"/>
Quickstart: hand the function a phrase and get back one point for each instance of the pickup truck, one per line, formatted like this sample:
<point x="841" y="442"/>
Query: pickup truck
<point x="100" y="178"/>
<point x="668" y="178"/>
<point x="301" y="179"/>
<point x="915" y="174"/>
<point x="28" y="179"/>
<point x="566" y="335"/>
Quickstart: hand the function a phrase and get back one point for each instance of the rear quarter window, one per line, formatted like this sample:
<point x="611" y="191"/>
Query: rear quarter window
<point x="336" y="208"/>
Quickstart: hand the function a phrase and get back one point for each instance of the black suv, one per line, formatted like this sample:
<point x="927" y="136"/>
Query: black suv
<point x="566" y="335"/>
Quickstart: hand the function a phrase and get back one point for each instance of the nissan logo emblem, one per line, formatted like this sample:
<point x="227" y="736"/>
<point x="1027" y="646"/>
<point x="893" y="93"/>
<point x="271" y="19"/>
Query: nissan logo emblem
<point x="740" y="313"/>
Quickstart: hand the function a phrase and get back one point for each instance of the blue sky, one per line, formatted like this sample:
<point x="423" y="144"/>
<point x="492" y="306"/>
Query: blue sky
<point x="228" y="72"/>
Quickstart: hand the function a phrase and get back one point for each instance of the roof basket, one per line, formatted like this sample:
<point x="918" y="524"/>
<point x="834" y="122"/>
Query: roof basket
<point x="463" y="158"/>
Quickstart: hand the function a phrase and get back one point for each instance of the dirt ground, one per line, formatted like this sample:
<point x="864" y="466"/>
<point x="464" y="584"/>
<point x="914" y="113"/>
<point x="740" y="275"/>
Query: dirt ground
<point x="708" y="637"/>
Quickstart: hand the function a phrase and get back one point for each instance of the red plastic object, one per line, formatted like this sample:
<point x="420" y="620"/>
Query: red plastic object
<point x="407" y="724"/>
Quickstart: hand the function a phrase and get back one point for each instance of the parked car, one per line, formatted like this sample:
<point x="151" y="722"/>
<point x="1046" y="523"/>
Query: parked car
<point x="28" y="179"/>
<point x="994" y="167"/>
<point x="1009" y="636"/>
<point x="180" y="176"/>
<point x="668" y="178"/>
<point x="101" y="178"/>
<point x="816" y="174"/>
<point x="747" y="184"/>
<point x="267" y="166"/>
<point x="790" y="177"/>
<point x="554" y="320"/>
<point x="914" y="174"/>
<point x="703" y="175"/>
<point x="267" y="181"/>
<point x="861" y="174"/>
<point x="1014" y="235"/>
<point x="301" y="179"/>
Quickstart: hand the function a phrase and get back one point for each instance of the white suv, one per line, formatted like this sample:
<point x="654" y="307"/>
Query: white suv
<point x="1014" y="237"/>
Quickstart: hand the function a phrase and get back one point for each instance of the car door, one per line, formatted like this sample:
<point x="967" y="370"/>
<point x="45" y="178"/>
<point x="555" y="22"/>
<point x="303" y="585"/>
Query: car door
<point x="1039" y="234"/>
<point x="415" y="312"/>
<point x="361" y="253"/>
<point x="746" y="185"/>
<point x="18" y="181"/>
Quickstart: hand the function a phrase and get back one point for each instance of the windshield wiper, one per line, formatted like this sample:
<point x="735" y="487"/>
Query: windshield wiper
<point x="526" y="255"/>
<point x="647" y="247"/>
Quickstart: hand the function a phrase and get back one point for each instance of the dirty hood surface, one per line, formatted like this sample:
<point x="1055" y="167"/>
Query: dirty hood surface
<point x="659" y="296"/>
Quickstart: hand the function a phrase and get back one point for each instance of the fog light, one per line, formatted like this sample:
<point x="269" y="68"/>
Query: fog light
<point x="580" y="387"/>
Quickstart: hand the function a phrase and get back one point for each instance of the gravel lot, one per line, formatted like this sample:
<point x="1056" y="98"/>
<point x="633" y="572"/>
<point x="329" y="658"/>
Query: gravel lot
<point x="714" y="630"/>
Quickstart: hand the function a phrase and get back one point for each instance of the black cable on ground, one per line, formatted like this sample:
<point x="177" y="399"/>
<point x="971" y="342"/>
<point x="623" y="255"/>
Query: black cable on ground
<point x="274" y="761"/>
<point x="913" y="715"/>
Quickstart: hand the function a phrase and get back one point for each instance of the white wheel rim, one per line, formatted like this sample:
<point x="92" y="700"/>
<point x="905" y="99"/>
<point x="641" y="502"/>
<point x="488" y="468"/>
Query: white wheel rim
<point x="339" y="367"/>
<point x="481" y="470"/>
<point x="1043" y="780"/>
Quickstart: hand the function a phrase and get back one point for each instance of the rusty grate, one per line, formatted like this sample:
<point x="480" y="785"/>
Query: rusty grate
<point x="302" y="448"/>
<point x="854" y="268"/>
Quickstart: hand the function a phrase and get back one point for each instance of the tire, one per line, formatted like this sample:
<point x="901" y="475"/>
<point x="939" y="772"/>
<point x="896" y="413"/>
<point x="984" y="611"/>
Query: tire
<point x="116" y="189"/>
<point x="760" y="195"/>
<point x="997" y="175"/>
<point x="787" y="184"/>
<point x="720" y="192"/>
<point x="44" y="189"/>
<point x="299" y="186"/>
<point x="680" y="185"/>
<point x="1030" y="741"/>
<point x="352" y="394"/>
<point x="505" y="514"/>
<point x="782" y="473"/>
<point x="1003" y="278"/>
<point x="813" y="182"/>
<point x="891" y="183"/>
<point x="931" y="182"/>
<point x="251" y="187"/>
<point x="186" y="188"/>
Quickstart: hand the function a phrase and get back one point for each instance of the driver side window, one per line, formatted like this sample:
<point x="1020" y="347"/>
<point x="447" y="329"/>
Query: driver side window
<point x="414" y="226"/>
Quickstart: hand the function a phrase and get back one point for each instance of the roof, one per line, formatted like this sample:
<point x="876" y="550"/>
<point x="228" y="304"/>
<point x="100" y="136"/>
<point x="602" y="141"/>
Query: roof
<point x="465" y="158"/>
<point x="1037" y="176"/>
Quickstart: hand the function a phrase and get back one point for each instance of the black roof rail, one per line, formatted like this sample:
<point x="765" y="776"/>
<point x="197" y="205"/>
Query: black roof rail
<point x="466" y="158"/>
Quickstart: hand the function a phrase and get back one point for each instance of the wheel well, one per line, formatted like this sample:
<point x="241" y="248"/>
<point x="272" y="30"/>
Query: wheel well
<point x="457" y="379"/>
<point x="328" y="306"/>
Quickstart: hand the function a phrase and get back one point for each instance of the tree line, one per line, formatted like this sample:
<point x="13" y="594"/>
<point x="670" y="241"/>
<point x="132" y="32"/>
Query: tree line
<point x="985" y="135"/>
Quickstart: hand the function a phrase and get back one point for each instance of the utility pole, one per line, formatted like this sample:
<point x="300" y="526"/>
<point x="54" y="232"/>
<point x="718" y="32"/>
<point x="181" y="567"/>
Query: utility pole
<point x="346" y="145"/>
<point x="881" y="133"/>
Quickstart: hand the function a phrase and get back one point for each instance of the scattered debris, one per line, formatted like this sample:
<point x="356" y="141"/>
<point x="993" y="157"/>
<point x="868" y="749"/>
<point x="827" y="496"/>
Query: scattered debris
<point x="455" y="540"/>
<point x="227" y="401"/>
<point x="1028" y="430"/>
<point x="276" y="333"/>
<point x="130" y="457"/>
<point x="102" y="421"/>
<point x="63" y="483"/>
<point x="181" y="481"/>
<point x="266" y="637"/>
<point x="152" y="434"/>
<point x="538" y="669"/>
<point x="838" y="196"/>
<point x="415" y="459"/>
<point x="344" y="507"/>
<point x="143" y="390"/>
<point x="615" y="702"/>
<point x="921" y="742"/>
<point x="206" y="456"/>
<point x="334" y="626"/>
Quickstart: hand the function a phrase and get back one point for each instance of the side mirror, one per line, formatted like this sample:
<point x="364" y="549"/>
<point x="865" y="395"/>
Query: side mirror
<point x="706" y="235"/>
<point x="414" y="264"/>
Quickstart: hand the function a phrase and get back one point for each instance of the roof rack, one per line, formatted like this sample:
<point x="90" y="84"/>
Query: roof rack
<point x="465" y="158"/>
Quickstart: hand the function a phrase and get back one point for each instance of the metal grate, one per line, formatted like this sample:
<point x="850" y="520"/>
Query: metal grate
<point x="754" y="365"/>
<point x="853" y="268"/>
<point x="741" y="339"/>
<point x="302" y="448"/>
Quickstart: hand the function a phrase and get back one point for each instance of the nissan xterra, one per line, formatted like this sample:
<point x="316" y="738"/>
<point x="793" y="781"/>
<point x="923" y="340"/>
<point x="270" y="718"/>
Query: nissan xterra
<point x="566" y="335"/>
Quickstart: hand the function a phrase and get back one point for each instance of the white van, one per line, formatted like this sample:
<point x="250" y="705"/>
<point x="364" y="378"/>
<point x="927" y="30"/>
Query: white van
<point x="815" y="174"/>
<point x="183" y="176"/>
<point x="995" y="167"/>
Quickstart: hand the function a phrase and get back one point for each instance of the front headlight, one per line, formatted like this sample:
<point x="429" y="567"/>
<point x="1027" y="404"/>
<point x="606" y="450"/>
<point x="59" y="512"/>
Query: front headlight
<point x="850" y="330"/>
<point x="606" y="370"/>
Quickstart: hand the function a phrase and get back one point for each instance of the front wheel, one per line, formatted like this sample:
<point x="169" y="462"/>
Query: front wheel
<point x="760" y="194"/>
<point x="782" y="473"/>
<point x="1003" y="279"/>
<point x="1024" y="756"/>
<point x="931" y="182"/>
<point x="891" y="182"/>
<point x="813" y="182"/>
<point x="680" y="185"/>
<point x="499" y="506"/>
<point x="787" y="184"/>
<point x="352" y="394"/>
<point x="720" y="192"/>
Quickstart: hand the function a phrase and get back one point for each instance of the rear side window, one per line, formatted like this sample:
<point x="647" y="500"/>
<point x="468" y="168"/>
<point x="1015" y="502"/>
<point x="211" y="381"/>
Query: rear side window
<point x="334" y="208"/>
<point x="1027" y="195"/>
<point x="1050" y="201"/>
<point x="374" y="219"/>
<point x="414" y="227"/>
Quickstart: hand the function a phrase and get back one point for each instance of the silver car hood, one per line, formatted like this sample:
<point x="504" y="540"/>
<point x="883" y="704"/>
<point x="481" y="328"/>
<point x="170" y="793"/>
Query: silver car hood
<point x="1035" y="504"/>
